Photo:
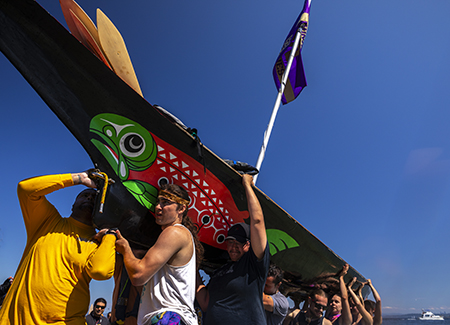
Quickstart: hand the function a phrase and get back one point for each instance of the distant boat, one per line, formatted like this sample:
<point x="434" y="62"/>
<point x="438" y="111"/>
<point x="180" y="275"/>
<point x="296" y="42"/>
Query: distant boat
<point x="428" y="315"/>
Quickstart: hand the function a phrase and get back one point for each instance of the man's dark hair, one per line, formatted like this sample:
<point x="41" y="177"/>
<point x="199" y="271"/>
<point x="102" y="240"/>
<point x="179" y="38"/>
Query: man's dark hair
<point x="369" y="304"/>
<point x="318" y="292"/>
<point x="100" y="300"/>
<point x="276" y="272"/>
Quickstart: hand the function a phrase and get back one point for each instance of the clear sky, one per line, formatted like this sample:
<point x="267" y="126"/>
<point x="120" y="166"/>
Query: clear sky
<point x="361" y="158"/>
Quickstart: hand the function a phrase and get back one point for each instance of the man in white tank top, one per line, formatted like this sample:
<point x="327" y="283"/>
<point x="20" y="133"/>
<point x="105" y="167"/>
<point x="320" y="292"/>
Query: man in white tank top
<point x="168" y="269"/>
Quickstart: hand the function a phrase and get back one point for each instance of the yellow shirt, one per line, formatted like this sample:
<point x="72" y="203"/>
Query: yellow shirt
<point x="51" y="284"/>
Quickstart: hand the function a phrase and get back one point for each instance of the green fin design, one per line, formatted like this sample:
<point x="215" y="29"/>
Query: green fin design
<point x="279" y="241"/>
<point x="145" y="193"/>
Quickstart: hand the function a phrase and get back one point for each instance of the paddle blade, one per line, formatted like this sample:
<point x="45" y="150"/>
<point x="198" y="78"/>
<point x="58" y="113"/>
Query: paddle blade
<point x="82" y="27"/>
<point x="115" y="50"/>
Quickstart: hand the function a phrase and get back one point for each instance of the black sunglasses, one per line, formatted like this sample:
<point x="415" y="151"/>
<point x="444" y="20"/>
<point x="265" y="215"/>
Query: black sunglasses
<point x="319" y="306"/>
<point x="102" y="307"/>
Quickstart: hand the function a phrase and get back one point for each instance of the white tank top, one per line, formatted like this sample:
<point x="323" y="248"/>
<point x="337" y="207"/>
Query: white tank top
<point x="172" y="288"/>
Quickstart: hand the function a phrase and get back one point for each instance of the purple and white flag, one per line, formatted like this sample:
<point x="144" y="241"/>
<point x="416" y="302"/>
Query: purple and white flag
<point x="296" y="80"/>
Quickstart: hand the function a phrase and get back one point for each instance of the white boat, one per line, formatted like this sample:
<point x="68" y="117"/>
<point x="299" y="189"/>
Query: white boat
<point x="428" y="315"/>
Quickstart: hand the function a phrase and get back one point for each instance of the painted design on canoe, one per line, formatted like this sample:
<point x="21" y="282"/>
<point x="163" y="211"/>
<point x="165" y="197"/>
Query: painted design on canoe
<point x="127" y="146"/>
<point x="144" y="162"/>
<point x="74" y="87"/>
<point x="279" y="241"/>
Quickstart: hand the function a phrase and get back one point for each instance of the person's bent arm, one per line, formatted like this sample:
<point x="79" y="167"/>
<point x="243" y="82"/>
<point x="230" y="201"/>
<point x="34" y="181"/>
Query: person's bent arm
<point x="268" y="302"/>
<point x="202" y="293"/>
<point x="346" y="314"/>
<point x="366" y="317"/>
<point x="377" y="318"/>
<point x="100" y="265"/>
<point x="32" y="192"/>
<point x="359" y="292"/>
<point x="169" y="242"/>
<point x="258" y="237"/>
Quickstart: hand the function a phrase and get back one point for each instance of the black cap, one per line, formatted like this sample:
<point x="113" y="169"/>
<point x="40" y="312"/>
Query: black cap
<point x="239" y="232"/>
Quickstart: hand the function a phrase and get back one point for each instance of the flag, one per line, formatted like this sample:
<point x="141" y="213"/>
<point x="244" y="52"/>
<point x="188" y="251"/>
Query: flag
<point x="296" y="80"/>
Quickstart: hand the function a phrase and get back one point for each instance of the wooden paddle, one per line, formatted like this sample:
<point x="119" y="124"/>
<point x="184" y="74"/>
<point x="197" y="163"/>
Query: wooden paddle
<point x="115" y="50"/>
<point x="82" y="27"/>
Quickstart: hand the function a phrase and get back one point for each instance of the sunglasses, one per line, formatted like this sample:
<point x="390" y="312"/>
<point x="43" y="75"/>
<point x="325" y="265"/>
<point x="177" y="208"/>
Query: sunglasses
<point x="98" y="306"/>
<point x="319" y="306"/>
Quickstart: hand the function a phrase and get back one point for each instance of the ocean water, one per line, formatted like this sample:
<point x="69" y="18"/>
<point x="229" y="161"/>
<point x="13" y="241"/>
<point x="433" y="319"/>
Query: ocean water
<point x="403" y="320"/>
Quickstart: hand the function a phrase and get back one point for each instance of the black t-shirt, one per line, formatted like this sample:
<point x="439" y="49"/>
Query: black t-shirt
<point x="235" y="291"/>
<point x="301" y="319"/>
<point x="91" y="320"/>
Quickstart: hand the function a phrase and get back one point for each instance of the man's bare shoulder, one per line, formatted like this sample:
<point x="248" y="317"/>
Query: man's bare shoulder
<point x="175" y="234"/>
<point x="179" y="239"/>
<point x="176" y="230"/>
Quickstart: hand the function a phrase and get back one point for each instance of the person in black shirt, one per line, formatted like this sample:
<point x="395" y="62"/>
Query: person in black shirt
<point x="234" y="292"/>
<point x="96" y="315"/>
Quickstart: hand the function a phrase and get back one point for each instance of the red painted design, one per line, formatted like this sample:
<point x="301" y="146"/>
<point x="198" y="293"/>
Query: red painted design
<point x="212" y="207"/>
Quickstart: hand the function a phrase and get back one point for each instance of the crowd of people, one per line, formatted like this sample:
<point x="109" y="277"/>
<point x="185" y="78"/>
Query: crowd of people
<point x="337" y="303"/>
<point x="163" y="284"/>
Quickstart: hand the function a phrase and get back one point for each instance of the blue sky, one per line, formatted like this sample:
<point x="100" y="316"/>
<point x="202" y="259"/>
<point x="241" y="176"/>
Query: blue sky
<point x="361" y="158"/>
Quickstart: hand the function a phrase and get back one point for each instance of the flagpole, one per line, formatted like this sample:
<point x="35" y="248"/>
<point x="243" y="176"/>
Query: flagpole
<point x="268" y="131"/>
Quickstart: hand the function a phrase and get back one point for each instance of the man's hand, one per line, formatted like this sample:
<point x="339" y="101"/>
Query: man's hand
<point x="121" y="243"/>
<point x="83" y="179"/>
<point x="344" y="270"/>
<point x="98" y="236"/>
<point x="247" y="180"/>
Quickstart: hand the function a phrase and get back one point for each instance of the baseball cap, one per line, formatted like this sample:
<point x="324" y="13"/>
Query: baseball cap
<point x="240" y="232"/>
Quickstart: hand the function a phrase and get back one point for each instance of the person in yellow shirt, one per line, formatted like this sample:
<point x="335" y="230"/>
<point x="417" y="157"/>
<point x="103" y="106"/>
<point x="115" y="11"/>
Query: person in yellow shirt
<point x="61" y="256"/>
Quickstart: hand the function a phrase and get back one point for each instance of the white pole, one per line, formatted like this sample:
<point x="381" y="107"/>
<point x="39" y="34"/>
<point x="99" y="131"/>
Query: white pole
<point x="277" y="103"/>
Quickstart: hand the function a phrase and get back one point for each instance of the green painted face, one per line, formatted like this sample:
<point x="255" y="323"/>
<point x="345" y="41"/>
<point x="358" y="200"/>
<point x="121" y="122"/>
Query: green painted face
<point x="124" y="143"/>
